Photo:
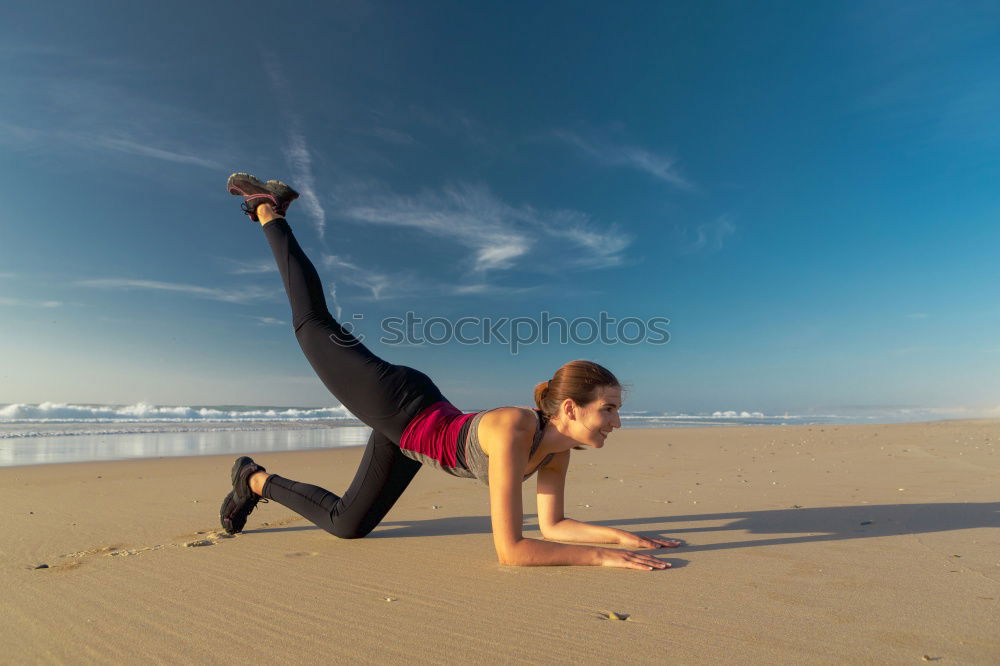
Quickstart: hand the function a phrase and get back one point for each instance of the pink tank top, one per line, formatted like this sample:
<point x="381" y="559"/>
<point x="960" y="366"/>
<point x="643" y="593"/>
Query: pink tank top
<point x="433" y="436"/>
<point x="443" y="437"/>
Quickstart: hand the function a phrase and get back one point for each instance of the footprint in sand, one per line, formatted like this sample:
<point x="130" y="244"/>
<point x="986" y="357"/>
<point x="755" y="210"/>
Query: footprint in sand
<point x="77" y="558"/>
<point x="199" y="543"/>
<point x="301" y="554"/>
<point x="213" y="538"/>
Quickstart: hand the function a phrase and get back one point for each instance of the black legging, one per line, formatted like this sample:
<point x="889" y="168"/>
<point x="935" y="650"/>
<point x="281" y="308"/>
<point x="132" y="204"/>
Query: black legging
<point x="384" y="396"/>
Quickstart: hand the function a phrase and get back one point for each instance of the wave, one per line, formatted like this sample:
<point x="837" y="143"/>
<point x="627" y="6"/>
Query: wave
<point x="55" y="412"/>
<point x="728" y="414"/>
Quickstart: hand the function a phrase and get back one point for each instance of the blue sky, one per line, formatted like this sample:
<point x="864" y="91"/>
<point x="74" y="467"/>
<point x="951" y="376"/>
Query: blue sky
<point x="807" y="191"/>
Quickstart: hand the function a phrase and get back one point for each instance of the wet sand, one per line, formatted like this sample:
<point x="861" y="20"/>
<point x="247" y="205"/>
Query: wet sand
<point x="822" y="544"/>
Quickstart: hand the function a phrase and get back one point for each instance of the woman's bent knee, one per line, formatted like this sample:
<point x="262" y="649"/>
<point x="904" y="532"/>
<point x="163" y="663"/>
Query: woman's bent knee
<point x="349" y="531"/>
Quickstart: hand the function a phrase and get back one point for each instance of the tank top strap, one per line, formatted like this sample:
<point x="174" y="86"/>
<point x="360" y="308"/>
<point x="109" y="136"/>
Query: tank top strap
<point x="538" y="435"/>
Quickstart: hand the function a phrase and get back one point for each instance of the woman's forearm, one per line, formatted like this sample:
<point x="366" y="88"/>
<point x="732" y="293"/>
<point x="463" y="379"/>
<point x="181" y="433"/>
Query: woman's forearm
<point x="568" y="529"/>
<point x="532" y="552"/>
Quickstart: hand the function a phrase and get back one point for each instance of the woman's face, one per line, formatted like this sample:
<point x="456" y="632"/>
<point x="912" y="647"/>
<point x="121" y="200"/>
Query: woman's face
<point x="594" y="421"/>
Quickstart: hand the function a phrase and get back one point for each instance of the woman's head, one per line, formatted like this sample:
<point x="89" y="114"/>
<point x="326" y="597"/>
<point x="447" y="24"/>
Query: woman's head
<point x="583" y="398"/>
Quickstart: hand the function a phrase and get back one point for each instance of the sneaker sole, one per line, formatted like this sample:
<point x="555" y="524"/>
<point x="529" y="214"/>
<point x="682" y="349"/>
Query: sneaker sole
<point x="276" y="188"/>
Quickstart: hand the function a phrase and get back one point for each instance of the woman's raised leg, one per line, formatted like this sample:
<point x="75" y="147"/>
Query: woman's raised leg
<point x="383" y="395"/>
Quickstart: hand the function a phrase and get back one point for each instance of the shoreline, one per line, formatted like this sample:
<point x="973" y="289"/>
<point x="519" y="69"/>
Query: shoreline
<point x="267" y="437"/>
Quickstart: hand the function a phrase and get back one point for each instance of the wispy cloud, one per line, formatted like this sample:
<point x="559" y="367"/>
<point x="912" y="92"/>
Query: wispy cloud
<point x="240" y="267"/>
<point x="385" y="286"/>
<point x="299" y="158"/>
<point x="17" y="302"/>
<point x="73" y="105"/>
<point x="296" y="149"/>
<point x="135" y="148"/>
<point x="498" y="234"/>
<point x="484" y="289"/>
<point x="446" y="120"/>
<point x="269" y="321"/>
<point x="377" y="283"/>
<point x="115" y="143"/>
<point x="240" y="295"/>
<point x="596" y="248"/>
<point x="661" y="167"/>
<point x="707" y="237"/>
<point x="468" y="214"/>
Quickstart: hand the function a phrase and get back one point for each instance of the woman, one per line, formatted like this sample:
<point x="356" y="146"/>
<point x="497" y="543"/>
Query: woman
<point x="413" y="423"/>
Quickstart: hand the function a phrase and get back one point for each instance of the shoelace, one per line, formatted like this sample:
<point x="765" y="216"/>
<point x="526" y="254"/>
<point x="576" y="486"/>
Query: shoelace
<point x="251" y="209"/>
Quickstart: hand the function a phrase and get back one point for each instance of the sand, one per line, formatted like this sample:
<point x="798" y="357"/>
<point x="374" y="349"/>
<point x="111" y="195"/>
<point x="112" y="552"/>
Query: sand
<point x="822" y="544"/>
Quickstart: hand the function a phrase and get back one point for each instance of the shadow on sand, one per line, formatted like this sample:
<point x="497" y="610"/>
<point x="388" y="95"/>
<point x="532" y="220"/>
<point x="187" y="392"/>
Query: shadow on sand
<point x="785" y="526"/>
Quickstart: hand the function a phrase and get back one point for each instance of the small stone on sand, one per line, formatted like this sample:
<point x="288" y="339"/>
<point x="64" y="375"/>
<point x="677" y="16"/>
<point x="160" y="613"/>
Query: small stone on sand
<point x="42" y="566"/>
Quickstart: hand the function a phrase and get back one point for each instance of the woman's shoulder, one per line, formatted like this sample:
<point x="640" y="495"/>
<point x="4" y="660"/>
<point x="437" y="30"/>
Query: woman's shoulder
<point x="510" y="417"/>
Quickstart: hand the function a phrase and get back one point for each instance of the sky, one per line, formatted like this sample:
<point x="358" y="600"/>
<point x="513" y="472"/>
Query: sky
<point x="807" y="192"/>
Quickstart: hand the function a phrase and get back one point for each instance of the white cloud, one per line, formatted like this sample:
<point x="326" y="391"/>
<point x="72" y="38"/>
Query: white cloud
<point x="240" y="267"/>
<point x="468" y="214"/>
<point x="300" y="160"/>
<point x="270" y="321"/>
<point x="377" y="283"/>
<point x="383" y="286"/>
<point x="498" y="234"/>
<point x="241" y="295"/>
<point x="135" y="148"/>
<point x="707" y="237"/>
<point x="483" y="289"/>
<point x="117" y="143"/>
<point x="80" y="109"/>
<point x="16" y="302"/>
<point x="660" y="167"/>
<point x="600" y="249"/>
<point x="296" y="149"/>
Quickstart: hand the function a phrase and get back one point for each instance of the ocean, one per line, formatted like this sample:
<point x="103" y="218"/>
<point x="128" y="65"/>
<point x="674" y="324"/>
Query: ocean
<point x="32" y="434"/>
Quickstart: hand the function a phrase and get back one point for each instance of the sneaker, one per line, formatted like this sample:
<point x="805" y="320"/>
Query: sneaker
<point x="238" y="504"/>
<point x="255" y="193"/>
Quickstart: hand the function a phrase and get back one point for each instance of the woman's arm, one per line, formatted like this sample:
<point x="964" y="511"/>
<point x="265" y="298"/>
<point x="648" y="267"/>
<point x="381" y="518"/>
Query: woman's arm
<point x="555" y="525"/>
<point x="509" y="442"/>
<point x="551" y="517"/>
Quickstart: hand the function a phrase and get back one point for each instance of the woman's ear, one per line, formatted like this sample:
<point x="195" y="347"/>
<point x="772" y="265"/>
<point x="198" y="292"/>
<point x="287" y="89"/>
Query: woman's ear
<point x="569" y="408"/>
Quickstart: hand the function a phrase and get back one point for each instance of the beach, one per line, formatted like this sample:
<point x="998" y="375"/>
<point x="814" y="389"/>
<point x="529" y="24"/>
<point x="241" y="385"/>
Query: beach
<point x="803" y="544"/>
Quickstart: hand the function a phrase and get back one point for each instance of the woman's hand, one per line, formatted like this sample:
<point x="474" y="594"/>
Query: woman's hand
<point x="630" y="540"/>
<point x="626" y="559"/>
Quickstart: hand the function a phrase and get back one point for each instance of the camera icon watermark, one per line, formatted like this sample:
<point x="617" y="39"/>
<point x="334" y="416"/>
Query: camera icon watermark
<point x="515" y="332"/>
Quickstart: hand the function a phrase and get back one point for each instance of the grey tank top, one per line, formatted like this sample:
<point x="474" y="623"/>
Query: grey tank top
<point x="477" y="460"/>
